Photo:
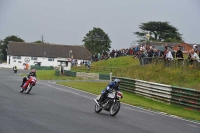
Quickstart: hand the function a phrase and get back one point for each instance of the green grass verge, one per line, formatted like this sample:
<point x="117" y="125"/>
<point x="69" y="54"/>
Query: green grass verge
<point x="50" y="75"/>
<point x="132" y="99"/>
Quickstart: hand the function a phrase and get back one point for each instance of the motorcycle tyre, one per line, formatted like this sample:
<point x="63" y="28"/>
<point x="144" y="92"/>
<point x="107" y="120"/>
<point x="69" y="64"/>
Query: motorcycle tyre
<point x="21" y="90"/>
<point x="113" y="114"/>
<point x="29" y="89"/>
<point x="97" y="109"/>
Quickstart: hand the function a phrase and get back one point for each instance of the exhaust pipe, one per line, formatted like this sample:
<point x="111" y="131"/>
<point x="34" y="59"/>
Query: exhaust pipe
<point x="96" y="102"/>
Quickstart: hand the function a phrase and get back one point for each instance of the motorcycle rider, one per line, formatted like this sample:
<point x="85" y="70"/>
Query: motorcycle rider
<point x="32" y="73"/>
<point x="112" y="85"/>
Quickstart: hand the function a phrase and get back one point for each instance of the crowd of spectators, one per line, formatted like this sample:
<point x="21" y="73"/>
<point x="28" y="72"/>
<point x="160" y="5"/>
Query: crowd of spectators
<point x="144" y="52"/>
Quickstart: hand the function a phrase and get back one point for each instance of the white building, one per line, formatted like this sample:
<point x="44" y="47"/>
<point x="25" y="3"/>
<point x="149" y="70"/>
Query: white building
<point x="20" y="53"/>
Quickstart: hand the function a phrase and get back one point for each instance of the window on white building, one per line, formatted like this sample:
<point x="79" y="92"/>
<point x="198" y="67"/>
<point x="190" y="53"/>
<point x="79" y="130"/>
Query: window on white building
<point x="50" y="59"/>
<point x="16" y="57"/>
<point x="33" y="58"/>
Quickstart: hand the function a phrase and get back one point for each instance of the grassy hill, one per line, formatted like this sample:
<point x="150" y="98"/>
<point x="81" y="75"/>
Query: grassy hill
<point x="129" y="67"/>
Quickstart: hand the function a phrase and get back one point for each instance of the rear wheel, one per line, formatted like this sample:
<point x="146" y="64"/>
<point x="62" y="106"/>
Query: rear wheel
<point x="29" y="89"/>
<point x="115" y="108"/>
<point x="97" y="108"/>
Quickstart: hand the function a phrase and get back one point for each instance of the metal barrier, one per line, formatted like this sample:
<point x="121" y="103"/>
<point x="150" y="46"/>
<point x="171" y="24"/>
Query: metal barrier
<point x="103" y="69"/>
<point x="188" y="98"/>
<point x="153" y="90"/>
<point x="57" y="72"/>
<point x="94" y="76"/>
<point x="104" y="76"/>
<point x="42" y="67"/>
<point x="127" y="84"/>
<point x="69" y="73"/>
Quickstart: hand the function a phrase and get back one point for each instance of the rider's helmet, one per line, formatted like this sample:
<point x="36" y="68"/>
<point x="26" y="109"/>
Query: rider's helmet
<point x="117" y="82"/>
<point x="33" y="71"/>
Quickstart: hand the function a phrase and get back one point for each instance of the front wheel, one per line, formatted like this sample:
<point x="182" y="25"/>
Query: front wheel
<point x="21" y="90"/>
<point x="115" y="108"/>
<point x="29" y="89"/>
<point x="97" y="108"/>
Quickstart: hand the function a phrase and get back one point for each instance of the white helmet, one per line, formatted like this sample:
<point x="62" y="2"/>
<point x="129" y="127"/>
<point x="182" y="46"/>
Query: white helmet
<point x="194" y="46"/>
<point x="117" y="82"/>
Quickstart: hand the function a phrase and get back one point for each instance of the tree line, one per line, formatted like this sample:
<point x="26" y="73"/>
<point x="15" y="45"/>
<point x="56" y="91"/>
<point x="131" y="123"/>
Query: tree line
<point x="97" y="41"/>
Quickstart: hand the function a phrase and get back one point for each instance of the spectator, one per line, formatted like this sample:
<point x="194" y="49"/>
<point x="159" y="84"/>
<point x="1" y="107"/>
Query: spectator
<point x="168" y="57"/>
<point x="149" y="55"/>
<point x="195" y="48"/>
<point x="98" y="56"/>
<point x="179" y="53"/>
<point x="194" y="56"/>
<point x="164" y="55"/>
<point x="179" y="56"/>
<point x="155" y="53"/>
<point x="189" y="57"/>
<point x="160" y="54"/>
<point x="88" y="64"/>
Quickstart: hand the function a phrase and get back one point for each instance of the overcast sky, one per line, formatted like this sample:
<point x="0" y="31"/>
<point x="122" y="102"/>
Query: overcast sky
<point x="68" y="21"/>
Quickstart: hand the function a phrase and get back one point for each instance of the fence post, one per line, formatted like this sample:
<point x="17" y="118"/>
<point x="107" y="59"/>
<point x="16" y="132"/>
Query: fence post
<point x="110" y="76"/>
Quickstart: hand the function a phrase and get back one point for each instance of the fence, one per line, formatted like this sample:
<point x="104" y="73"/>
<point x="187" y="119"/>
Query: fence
<point x="42" y="67"/>
<point x="70" y="73"/>
<point x="170" y="63"/>
<point x="104" y="76"/>
<point x="186" y="97"/>
<point x="94" y="76"/>
<point x="57" y="72"/>
<point x="95" y="68"/>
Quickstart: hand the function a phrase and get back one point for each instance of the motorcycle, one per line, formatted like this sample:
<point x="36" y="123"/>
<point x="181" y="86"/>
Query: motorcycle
<point x="15" y="70"/>
<point x="110" y="104"/>
<point x="28" y="85"/>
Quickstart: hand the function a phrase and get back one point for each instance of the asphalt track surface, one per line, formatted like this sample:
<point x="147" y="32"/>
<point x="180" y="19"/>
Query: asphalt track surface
<point x="52" y="108"/>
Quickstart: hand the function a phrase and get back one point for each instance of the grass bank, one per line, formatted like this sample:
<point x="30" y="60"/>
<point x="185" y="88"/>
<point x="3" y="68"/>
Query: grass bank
<point x="129" y="67"/>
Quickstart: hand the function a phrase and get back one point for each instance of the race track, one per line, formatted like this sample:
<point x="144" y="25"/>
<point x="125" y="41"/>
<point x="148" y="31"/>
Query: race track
<point x="51" y="108"/>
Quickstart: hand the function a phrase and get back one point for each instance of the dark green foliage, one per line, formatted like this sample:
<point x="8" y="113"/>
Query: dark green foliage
<point x="4" y="45"/>
<point x="159" y="31"/>
<point x="38" y="41"/>
<point x="97" y="41"/>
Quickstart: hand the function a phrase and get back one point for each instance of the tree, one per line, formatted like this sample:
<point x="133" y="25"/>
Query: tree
<point x="159" y="31"/>
<point x="97" y="41"/>
<point x="1" y="55"/>
<point x="4" y="46"/>
<point x="38" y="41"/>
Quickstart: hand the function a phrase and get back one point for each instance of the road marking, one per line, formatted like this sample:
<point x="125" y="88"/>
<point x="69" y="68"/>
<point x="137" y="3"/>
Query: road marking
<point x="138" y="110"/>
<point x="193" y="126"/>
<point x="165" y="114"/>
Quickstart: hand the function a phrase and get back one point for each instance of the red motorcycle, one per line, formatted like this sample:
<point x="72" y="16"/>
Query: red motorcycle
<point x="28" y="85"/>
